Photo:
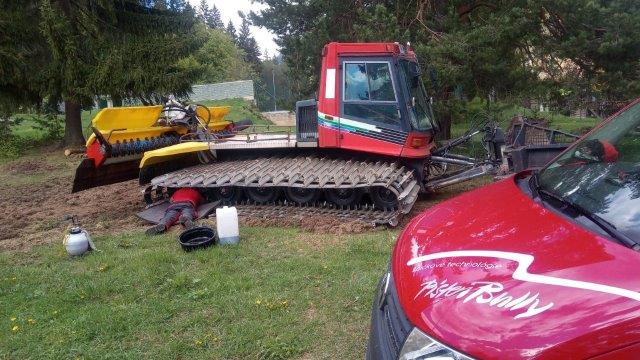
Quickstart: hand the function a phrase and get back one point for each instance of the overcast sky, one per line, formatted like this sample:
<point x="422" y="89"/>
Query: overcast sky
<point x="229" y="10"/>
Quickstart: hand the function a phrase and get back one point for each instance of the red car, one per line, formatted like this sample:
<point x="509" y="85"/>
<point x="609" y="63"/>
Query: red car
<point x="541" y="265"/>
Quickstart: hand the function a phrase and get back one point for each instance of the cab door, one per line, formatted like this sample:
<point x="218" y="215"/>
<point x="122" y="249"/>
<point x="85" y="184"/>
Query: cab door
<point x="370" y="119"/>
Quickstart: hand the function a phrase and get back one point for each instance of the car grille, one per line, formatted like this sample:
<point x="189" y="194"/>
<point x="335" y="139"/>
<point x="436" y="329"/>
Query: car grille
<point x="396" y="325"/>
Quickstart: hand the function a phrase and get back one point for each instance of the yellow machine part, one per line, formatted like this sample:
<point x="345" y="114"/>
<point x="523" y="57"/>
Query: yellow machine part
<point x="170" y="152"/>
<point x="137" y="122"/>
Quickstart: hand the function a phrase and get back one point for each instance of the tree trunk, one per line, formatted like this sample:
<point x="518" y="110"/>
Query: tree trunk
<point x="72" y="124"/>
<point x="445" y="126"/>
<point x="117" y="100"/>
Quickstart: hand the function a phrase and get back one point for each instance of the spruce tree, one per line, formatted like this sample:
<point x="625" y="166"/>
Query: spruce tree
<point x="249" y="44"/>
<point x="231" y="30"/>
<point x="215" y="19"/>
<point x="23" y="56"/>
<point x="203" y="11"/>
<point x="70" y="34"/>
<point x="92" y="46"/>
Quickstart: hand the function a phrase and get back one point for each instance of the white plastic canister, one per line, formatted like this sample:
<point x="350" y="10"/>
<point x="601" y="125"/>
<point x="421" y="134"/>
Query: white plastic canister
<point x="227" y="225"/>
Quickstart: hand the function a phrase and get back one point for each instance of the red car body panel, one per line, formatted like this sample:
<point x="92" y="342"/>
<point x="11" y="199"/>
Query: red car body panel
<point x="494" y="274"/>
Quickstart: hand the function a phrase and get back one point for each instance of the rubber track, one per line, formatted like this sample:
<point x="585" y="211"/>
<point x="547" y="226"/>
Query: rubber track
<point x="289" y="211"/>
<point x="299" y="171"/>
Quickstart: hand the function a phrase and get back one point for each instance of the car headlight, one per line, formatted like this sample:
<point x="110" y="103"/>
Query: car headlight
<point x="419" y="346"/>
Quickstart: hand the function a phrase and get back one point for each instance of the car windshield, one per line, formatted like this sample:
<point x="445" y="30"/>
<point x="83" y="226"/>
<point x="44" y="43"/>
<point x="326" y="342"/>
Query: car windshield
<point x="419" y="108"/>
<point x="601" y="173"/>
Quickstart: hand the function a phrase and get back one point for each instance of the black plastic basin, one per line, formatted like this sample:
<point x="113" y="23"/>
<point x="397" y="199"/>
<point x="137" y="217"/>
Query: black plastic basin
<point x="197" y="238"/>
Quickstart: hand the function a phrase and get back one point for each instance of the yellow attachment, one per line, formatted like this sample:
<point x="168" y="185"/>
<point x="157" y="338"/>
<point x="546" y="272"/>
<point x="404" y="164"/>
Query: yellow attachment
<point x="170" y="152"/>
<point x="131" y="123"/>
<point x="218" y="113"/>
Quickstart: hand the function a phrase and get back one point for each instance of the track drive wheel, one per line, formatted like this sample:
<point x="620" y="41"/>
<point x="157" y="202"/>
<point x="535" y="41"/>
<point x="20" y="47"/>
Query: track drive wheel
<point x="384" y="198"/>
<point x="300" y="195"/>
<point x="229" y="195"/>
<point x="344" y="197"/>
<point x="263" y="195"/>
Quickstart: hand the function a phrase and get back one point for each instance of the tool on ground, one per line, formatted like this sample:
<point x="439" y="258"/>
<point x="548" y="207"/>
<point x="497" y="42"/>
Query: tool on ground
<point x="77" y="241"/>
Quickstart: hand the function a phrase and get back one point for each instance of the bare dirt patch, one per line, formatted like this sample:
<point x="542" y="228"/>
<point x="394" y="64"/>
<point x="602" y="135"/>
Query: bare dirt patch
<point x="313" y="223"/>
<point x="29" y="167"/>
<point x="33" y="212"/>
<point x="35" y="195"/>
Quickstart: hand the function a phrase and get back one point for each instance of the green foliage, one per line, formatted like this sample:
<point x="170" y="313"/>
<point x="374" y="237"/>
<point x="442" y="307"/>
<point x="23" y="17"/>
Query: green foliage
<point x="377" y="25"/>
<point x="240" y="110"/>
<point x="248" y="44"/>
<point x="51" y="125"/>
<point x="211" y="17"/>
<point x="221" y="60"/>
<point x="231" y="31"/>
<point x="284" y="98"/>
<point x="560" y="51"/>
<point x="22" y="55"/>
<point x="10" y="145"/>
<point x="162" y="43"/>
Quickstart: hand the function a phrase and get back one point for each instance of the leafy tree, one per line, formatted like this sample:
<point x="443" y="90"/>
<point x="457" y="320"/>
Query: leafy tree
<point x="221" y="60"/>
<point x="52" y="50"/>
<point x="302" y="29"/>
<point x="211" y="17"/>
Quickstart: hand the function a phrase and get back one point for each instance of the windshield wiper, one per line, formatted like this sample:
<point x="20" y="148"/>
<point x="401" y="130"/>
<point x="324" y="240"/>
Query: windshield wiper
<point x="599" y="221"/>
<point x="534" y="184"/>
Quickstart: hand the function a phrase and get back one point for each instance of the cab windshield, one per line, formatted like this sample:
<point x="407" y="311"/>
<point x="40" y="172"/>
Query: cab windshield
<point x="420" y="114"/>
<point x="600" y="174"/>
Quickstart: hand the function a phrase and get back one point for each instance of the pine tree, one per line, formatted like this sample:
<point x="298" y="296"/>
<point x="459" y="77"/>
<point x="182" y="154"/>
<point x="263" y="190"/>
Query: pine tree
<point x="249" y="44"/>
<point x="69" y="35"/>
<point x="91" y="45"/>
<point x="215" y="19"/>
<point x="177" y="5"/>
<point x="231" y="30"/>
<point x="23" y="56"/>
<point x="203" y="11"/>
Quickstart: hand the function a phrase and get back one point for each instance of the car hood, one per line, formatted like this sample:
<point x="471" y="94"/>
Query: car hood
<point x="494" y="273"/>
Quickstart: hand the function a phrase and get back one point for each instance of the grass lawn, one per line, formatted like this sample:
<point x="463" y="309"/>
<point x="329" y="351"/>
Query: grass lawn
<point x="282" y="293"/>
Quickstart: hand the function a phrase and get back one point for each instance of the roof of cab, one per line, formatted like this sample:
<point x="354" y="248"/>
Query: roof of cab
<point x="370" y="48"/>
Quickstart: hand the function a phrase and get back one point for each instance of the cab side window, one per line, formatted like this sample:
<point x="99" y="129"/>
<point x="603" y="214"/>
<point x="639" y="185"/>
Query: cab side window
<point x="369" y="93"/>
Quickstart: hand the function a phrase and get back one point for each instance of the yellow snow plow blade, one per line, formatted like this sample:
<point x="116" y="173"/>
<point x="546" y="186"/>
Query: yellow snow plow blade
<point x="169" y="152"/>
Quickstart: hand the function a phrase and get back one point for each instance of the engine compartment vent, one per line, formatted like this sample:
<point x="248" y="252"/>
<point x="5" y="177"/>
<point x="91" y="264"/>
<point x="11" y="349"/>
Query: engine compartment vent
<point x="307" y="120"/>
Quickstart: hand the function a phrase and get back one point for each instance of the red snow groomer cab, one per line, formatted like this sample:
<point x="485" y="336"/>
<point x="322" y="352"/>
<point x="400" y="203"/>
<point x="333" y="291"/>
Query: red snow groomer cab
<point x="371" y="100"/>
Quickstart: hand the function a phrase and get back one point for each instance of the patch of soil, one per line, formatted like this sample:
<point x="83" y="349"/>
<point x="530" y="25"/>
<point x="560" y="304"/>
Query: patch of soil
<point x="29" y="167"/>
<point x="312" y="223"/>
<point x="33" y="214"/>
